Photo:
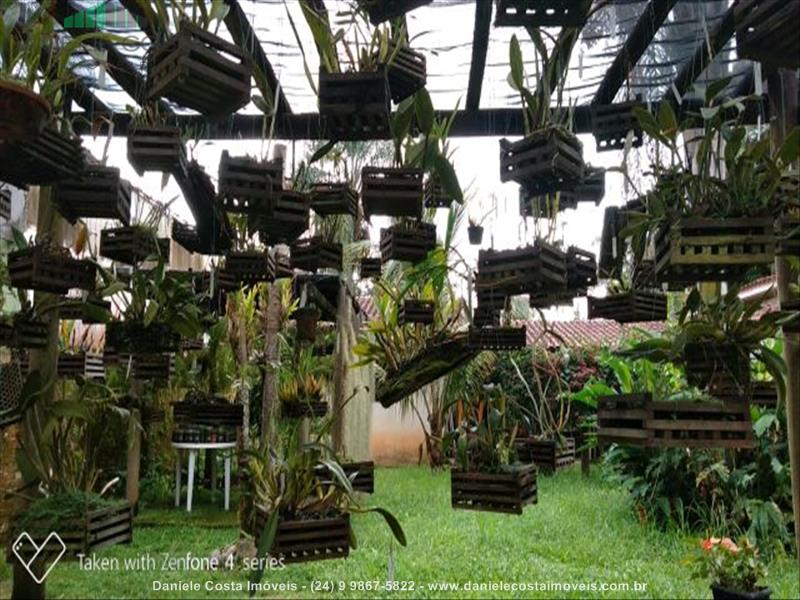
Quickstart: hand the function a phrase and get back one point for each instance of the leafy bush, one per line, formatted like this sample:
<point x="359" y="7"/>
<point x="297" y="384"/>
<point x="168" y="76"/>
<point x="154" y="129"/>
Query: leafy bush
<point x="59" y="511"/>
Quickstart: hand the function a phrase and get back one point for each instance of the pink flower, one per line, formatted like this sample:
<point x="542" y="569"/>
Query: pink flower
<point x="729" y="545"/>
<point x="709" y="543"/>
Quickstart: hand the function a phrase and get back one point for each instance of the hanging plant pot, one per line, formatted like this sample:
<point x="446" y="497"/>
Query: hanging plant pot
<point x="385" y="10"/>
<point x="334" y="199"/>
<point x="435" y="196"/>
<point x="611" y="124"/>
<point x="354" y="106"/>
<point x="591" y="188"/>
<point x="361" y="475"/>
<point x="506" y="492"/>
<point x="393" y="192"/>
<point x="150" y="367"/>
<point x="23" y="331"/>
<point x="549" y="455"/>
<point x="547" y="299"/>
<point x="81" y="364"/>
<point x="300" y="409"/>
<point x="99" y="193"/>
<point x="489" y="298"/>
<point x="48" y="158"/>
<point x="766" y="31"/>
<point x="199" y="70"/>
<point x="248" y="185"/>
<point x="370" y="268"/>
<point x="314" y="253"/>
<point x="522" y="270"/>
<point x="725" y="424"/>
<point x="622" y="419"/>
<point x="133" y="337"/>
<point x="581" y="270"/>
<point x="23" y="112"/>
<point x="156" y="148"/>
<point x="496" y="338"/>
<point x="132" y="245"/>
<point x="249" y="267"/>
<point x="186" y="237"/>
<point x="307" y="318"/>
<point x="630" y="307"/>
<point x="5" y="204"/>
<point x="722" y="593"/>
<point x="416" y="311"/>
<point x="44" y="269"/>
<point x="475" y="234"/>
<point x="407" y="73"/>
<point x="288" y="221"/>
<point x="692" y="250"/>
<point x="543" y="162"/>
<point x="308" y="537"/>
<point x="541" y="13"/>
<point x="715" y="364"/>
<point x="407" y="242"/>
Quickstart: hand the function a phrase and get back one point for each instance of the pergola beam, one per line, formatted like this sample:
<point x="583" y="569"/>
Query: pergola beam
<point x="480" y="45"/>
<point x="651" y="19"/>
<point x="703" y="56"/>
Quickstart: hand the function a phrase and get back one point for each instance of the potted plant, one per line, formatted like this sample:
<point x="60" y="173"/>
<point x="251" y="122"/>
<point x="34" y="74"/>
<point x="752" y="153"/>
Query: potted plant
<point x="475" y="231"/>
<point x="153" y="145"/>
<point x="99" y="192"/>
<point x="734" y="570"/>
<point x="248" y="185"/>
<point x="47" y="267"/>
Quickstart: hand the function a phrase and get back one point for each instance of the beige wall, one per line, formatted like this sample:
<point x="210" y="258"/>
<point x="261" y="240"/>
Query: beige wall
<point x="396" y="436"/>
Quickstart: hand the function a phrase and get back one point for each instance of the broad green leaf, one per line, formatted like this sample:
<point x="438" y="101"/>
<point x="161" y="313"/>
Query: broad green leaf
<point x="424" y="111"/>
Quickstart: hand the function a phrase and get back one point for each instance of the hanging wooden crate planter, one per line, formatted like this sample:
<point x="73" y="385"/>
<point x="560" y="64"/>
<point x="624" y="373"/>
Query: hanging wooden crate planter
<point x="370" y="268"/>
<point x="416" y="311"/>
<point x="5" y="204"/>
<point x="591" y="188"/>
<point x="549" y="455"/>
<point x="156" y="148"/>
<point x="249" y="267"/>
<point x="72" y="309"/>
<point x="496" y="338"/>
<point x="541" y="13"/>
<point x="611" y="124"/>
<point x="207" y="413"/>
<point x="334" y="199"/>
<point x="554" y="298"/>
<point x="506" y="492"/>
<point x="434" y="195"/>
<point x="23" y="331"/>
<point x="407" y="242"/>
<point x="724" y="424"/>
<point x="484" y="316"/>
<point x="187" y="237"/>
<point x="581" y="269"/>
<point x="766" y="31"/>
<point x="392" y="192"/>
<point x="43" y="269"/>
<point x="715" y="364"/>
<point x="489" y="298"/>
<point x="132" y="245"/>
<point x="386" y="10"/>
<point x="46" y="159"/>
<point x="98" y="193"/>
<point x="288" y="221"/>
<point x="696" y="249"/>
<point x="792" y="325"/>
<point x="361" y="475"/>
<point x="309" y="538"/>
<point x="522" y="270"/>
<point x="199" y="70"/>
<point x="81" y="364"/>
<point x="630" y="307"/>
<point x="622" y="419"/>
<point x="314" y="253"/>
<point x="788" y="232"/>
<point x="764" y="393"/>
<point x="299" y="409"/>
<point x="354" y="106"/>
<point x="406" y="74"/>
<point x="132" y="337"/>
<point x="248" y="185"/>
<point x="544" y="162"/>
<point x="150" y="367"/>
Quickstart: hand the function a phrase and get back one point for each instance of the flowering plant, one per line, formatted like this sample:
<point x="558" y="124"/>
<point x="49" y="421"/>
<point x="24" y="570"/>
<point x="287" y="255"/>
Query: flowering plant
<point x="730" y="565"/>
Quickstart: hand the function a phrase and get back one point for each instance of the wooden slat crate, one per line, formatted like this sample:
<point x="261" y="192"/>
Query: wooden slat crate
<point x="132" y="245"/>
<point x="151" y="367"/>
<point x="416" y="311"/>
<point x="362" y="475"/>
<point x="692" y="250"/>
<point x="300" y="409"/>
<point x="406" y="74"/>
<point x="559" y="298"/>
<point x="134" y="337"/>
<point x="549" y="455"/>
<point x="489" y="298"/>
<point x="370" y="268"/>
<point x="393" y="192"/>
<point x="46" y="159"/>
<point x="543" y="162"/>
<point x="788" y="232"/>
<point x="766" y="31"/>
<point x="81" y="364"/>
<point x="354" y="105"/>
<point x="314" y="253"/>
<point x="23" y="332"/>
<point x="486" y="316"/>
<point x="522" y="270"/>
<point x="714" y="365"/>
<point x="5" y="204"/>
<point x="496" y="338"/>
<point x="386" y="10"/>
<point x="334" y="199"/>
<point x="622" y="419"/>
<point x="156" y="148"/>
<point x="407" y="242"/>
<point x="307" y="539"/>
<point x="630" y="307"/>
<point x="248" y="185"/>
<point x="507" y="492"/>
<point x="98" y="193"/>
<point x="249" y="267"/>
<point x="70" y="309"/>
<point x="288" y="221"/>
<point x="541" y="13"/>
<point x="35" y="268"/>
<point x="208" y="414"/>
<point x="434" y="195"/>
<point x="724" y="424"/>
<point x="199" y="70"/>
<point x="612" y="122"/>
<point x="764" y="393"/>
<point x="581" y="269"/>
<point x="792" y="306"/>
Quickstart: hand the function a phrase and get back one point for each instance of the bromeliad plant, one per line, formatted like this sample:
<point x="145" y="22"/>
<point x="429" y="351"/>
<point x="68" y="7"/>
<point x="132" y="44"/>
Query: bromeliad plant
<point x="303" y="377"/>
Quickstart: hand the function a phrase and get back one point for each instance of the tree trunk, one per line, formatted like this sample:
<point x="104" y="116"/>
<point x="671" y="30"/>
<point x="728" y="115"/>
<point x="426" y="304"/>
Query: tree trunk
<point x="269" y="395"/>
<point x="341" y="360"/>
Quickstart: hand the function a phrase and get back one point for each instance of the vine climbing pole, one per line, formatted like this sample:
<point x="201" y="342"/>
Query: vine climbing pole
<point x="783" y="88"/>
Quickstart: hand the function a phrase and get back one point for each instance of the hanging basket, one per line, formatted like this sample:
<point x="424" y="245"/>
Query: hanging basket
<point x="544" y="162"/>
<point x="248" y="185"/>
<point x="407" y="73"/>
<point x="300" y="409"/>
<point x="725" y="424"/>
<point x="199" y="70"/>
<point x="23" y="112"/>
<point x="370" y="268"/>
<point x="249" y="267"/>
<point x="156" y="148"/>
<point x="484" y="316"/>
<point x="133" y="337"/>
<point x="46" y="159"/>
<point x="334" y="199"/>
<point x="361" y="475"/>
<point x="630" y="307"/>
<point x="38" y="268"/>
<point x="354" y="106"/>
<point x="287" y="222"/>
<point x="549" y="455"/>
<point x="88" y="365"/>
<point x="132" y="245"/>
<point x="99" y="193"/>
<point x="475" y="234"/>
<point x="541" y="13"/>
<point x="420" y="312"/>
<point x="23" y="331"/>
<point x="716" y="364"/>
<point x="307" y="318"/>
<point x="314" y="253"/>
<point x="506" y="492"/>
<point x="523" y="270"/>
<point x="407" y="242"/>
<point x="611" y="124"/>
<point x="392" y="192"/>
<point x="496" y="338"/>
<point x="622" y="419"/>
<point x="435" y="196"/>
<point x="306" y="539"/>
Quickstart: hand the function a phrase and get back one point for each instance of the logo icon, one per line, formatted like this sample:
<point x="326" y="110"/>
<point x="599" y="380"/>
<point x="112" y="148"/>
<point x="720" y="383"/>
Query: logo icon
<point x="27" y="553"/>
<point x="100" y="16"/>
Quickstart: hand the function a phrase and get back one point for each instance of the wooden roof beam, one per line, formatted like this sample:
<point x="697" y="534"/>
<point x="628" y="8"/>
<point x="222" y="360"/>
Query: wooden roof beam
<point x="480" y="45"/>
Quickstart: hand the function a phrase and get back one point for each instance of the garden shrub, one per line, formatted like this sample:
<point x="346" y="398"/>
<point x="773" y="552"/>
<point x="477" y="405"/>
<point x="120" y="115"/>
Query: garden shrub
<point x="56" y="512"/>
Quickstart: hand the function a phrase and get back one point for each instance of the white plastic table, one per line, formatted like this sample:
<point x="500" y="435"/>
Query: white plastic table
<point x="193" y="448"/>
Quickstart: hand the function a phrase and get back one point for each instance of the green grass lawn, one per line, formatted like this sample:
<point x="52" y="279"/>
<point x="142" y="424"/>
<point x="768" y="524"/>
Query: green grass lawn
<point x="580" y="532"/>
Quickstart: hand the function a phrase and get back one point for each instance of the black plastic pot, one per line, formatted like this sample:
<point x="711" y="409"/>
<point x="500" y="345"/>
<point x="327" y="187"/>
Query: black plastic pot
<point x="720" y="593"/>
<point x="475" y="233"/>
